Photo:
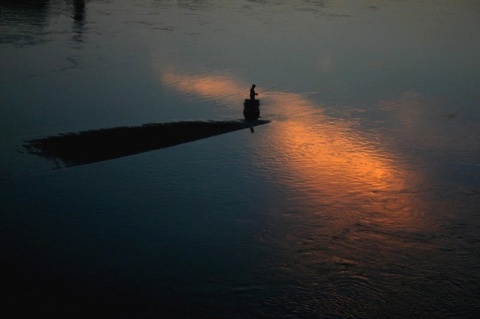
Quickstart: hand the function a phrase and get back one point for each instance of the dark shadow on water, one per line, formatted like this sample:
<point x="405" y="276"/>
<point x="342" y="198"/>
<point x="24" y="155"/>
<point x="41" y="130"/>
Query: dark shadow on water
<point x="99" y="145"/>
<point x="79" y="14"/>
<point x="79" y="10"/>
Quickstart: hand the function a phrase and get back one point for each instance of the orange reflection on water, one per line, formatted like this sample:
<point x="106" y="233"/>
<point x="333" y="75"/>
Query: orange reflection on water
<point x="325" y="158"/>
<point x="332" y="152"/>
<point x="218" y="87"/>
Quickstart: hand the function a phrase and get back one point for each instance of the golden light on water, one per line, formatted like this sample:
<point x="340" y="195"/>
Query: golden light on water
<point x="218" y="87"/>
<point x="324" y="157"/>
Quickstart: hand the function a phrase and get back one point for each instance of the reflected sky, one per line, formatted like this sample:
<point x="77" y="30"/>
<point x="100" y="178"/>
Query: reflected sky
<point x="325" y="158"/>
<point x="366" y="87"/>
<point x="364" y="186"/>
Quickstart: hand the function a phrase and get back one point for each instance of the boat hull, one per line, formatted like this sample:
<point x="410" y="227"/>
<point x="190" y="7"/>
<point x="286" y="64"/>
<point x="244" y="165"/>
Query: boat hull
<point x="251" y="109"/>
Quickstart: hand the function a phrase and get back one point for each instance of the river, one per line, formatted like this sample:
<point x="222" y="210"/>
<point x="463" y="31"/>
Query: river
<point x="359" y="199"/>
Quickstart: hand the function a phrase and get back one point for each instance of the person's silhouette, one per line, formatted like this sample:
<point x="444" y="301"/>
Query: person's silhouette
<point x="252" y="92"/>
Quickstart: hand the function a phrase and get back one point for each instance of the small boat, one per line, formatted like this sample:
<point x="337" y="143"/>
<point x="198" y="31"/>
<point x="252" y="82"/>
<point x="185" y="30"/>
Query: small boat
<point x="251" y="109"/>
<point x="77" y="148"/>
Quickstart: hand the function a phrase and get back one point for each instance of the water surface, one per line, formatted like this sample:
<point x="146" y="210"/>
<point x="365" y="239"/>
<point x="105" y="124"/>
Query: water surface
<point x="359" y="200"/>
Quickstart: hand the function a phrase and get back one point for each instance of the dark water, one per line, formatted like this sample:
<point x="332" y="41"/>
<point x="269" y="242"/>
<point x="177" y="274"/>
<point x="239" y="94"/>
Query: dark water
<point x="360" y="199"/>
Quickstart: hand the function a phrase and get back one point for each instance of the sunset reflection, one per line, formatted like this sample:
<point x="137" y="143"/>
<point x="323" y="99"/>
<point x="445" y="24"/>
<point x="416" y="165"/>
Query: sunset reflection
<point x="323" y="157"/>
<point x="216" y="87"/>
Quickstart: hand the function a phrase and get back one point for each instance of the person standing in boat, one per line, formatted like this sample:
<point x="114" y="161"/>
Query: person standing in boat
<point x="252" y="93"/>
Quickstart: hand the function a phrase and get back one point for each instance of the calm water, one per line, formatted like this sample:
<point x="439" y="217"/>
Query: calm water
<point x="360" y="199"/>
